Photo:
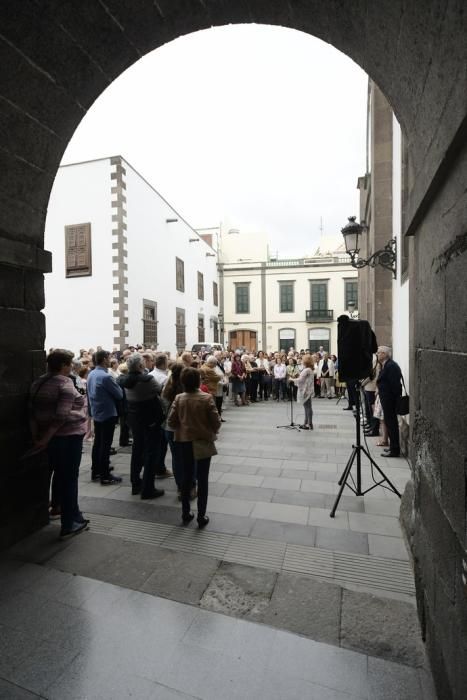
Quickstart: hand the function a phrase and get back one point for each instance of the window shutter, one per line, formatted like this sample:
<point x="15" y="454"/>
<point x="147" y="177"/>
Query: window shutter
<point x="78" y="250"/>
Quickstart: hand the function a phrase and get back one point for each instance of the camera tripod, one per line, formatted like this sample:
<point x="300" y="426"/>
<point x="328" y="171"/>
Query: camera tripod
<point x="291" y="425"/>
<point x="356" y="454"/>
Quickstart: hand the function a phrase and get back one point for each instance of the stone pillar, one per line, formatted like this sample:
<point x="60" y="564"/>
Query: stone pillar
<point x="23" y="482"/>
<point x="375" y="283"/>
<point x="379" y="279"/>
<point x="264" y="332"/>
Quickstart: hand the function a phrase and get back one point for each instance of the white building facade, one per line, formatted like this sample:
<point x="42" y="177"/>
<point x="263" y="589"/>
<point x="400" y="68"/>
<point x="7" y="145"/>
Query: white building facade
<point x="271" y="304"/>
<point x="127" y="269"/>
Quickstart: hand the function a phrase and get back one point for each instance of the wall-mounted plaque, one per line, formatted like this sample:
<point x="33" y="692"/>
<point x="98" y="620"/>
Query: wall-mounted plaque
<point x="78" y="250"/>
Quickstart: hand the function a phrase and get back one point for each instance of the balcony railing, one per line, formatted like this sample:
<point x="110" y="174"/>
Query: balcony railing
<point x="307" y="262"/>
<point x="318" y="315"/>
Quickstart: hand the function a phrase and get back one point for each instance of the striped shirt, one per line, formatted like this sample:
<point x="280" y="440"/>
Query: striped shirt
<point x="55" y="401"/>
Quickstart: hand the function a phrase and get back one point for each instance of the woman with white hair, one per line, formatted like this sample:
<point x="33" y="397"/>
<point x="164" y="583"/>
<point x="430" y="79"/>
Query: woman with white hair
<point x="238" y="380"/>
<point x="213" y="376"/>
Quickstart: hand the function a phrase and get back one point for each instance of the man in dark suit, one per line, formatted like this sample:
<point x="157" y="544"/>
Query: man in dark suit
<point x="389" y="389"/>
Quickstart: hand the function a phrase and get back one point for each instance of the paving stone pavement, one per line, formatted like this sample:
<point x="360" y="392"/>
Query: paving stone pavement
<point x="271" y="560"/>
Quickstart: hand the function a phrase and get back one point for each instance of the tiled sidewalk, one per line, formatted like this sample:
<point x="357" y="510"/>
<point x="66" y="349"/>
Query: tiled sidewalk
<point x="90" y="622"/>
<point x="74" y="638"/>
<point x="281" y="484"/>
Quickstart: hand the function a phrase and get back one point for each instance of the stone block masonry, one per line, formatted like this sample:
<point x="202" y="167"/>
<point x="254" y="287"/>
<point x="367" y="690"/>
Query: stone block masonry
<point x="118" y="187"/>
<point x="57" y="61"/>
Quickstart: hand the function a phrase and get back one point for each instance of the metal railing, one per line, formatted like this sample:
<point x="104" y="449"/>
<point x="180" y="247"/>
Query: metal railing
<point x="306" y="262"/>
<point x="317" y="315"/>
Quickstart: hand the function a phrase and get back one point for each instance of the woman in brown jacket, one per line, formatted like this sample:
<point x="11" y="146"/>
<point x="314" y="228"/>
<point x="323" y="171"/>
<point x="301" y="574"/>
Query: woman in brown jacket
<point x="195" y="421"/>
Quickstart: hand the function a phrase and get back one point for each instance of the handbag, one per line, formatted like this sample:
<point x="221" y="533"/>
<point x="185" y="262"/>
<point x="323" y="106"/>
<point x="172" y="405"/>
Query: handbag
<point x="202" y="449"/>
<point x="403" y="402"/>
<point x="378" y="409"/>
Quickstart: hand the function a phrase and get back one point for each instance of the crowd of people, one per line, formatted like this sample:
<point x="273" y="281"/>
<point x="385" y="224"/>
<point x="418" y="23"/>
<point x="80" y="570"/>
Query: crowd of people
<point x="163" y="403"/>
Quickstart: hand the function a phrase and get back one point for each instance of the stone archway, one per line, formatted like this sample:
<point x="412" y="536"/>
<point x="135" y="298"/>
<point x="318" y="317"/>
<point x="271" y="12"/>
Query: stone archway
<point x="57" y="57"/>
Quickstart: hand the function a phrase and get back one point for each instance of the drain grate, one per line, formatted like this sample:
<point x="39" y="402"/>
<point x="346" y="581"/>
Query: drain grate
<point x="326" y="427"/>
<point x="339" y="567"/>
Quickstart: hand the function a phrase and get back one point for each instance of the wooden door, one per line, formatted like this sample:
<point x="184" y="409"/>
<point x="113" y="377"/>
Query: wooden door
<point x="243" y="339"/>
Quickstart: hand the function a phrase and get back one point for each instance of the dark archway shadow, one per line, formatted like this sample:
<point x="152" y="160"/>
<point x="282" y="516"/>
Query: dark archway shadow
<point x="58" y="57"/>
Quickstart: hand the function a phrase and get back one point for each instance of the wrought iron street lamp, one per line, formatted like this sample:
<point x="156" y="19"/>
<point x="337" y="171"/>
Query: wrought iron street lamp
<point x="386" y="257"/>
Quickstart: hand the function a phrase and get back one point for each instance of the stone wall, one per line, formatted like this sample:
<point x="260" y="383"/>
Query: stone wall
<point x="57" y="57"/>
<point x="23" y="482"/>
<point x="435" y="514"/>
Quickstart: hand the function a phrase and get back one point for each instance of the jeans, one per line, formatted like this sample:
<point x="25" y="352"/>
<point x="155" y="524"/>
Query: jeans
<point x="389" y="405"/>
<point x="124" y="431"/>
<point x="144" y="453"/>
<point x="160" y="462"/>
<point x="103" y="436"/>
<point x="188" y="464"/>
<point x="64" y="454"/>
<point x="218" y="401"/>
<point x="254" y="379"/>
<point x="279" y="389"/>
<point x="177" y="466"/>
<point x="308" y="412"/>
<point x="264" y="386"/>
<point x="370" y="397"/>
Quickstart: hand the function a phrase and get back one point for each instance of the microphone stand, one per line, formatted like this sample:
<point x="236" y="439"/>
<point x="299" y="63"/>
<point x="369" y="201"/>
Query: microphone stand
<point x="291" y="425"/>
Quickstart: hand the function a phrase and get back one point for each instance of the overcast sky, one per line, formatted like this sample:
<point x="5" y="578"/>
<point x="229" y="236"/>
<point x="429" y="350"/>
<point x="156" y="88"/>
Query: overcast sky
<point x="262" y="127"/>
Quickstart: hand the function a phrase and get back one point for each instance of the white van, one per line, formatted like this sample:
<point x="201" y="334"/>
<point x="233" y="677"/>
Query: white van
<point x="208" y="347"/>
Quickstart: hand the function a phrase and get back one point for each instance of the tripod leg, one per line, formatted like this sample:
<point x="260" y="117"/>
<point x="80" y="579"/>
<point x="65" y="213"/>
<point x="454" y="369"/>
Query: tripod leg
<point x="343" y="481"/>
<point x="381" y="472"/>
<point x="348" y="466"/>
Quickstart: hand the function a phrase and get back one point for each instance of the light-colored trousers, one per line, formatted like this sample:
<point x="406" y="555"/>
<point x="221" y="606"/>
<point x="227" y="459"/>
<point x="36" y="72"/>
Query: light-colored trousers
<point x="327" y="386"/>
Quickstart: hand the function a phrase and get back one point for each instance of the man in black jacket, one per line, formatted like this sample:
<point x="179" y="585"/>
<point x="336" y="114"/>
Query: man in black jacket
<point x="389" y="389"/>
<point x="145" y="416"/>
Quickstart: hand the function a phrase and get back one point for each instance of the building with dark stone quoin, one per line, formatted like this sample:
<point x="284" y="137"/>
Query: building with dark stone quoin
<point x="57" y="58"/>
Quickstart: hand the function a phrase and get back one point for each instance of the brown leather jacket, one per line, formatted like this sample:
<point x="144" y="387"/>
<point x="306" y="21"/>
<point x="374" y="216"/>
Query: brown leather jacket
<point x="194" y="416"/>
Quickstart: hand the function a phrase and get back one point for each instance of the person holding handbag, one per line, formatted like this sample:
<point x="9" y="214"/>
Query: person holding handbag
<point x="389" y="391"/>
<point x="195" y="421"/>
<point x="238" y="380"/>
